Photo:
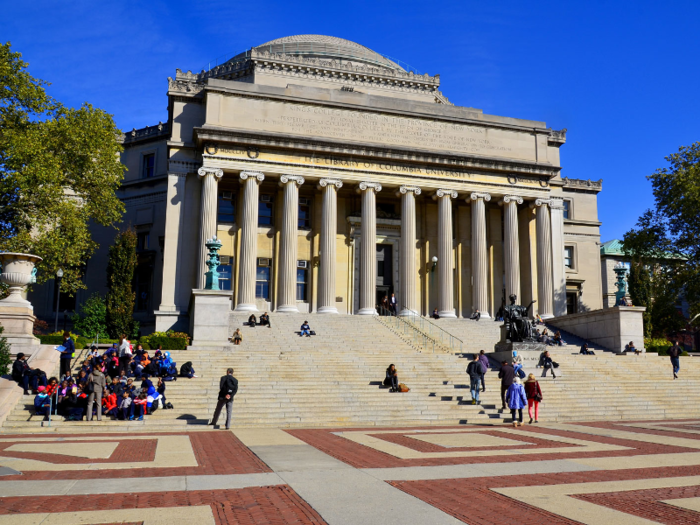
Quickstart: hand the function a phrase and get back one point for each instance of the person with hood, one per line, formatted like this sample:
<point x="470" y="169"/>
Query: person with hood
<point x="228" y="387"/>
<point x="517" y="399"/>
<point x="95" y="387"/>
<point x="534" y="396"/>
<point x="42" y="402"/>
<point x="484" y="368"/>
<point x="474" y="373"/>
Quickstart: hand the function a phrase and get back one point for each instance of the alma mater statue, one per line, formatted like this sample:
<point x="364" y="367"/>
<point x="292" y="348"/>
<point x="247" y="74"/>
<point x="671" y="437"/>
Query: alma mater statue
<point x="517" y="322"/>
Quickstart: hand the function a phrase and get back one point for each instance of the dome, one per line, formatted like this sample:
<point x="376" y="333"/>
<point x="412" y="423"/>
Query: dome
<point x="330" y="47"/>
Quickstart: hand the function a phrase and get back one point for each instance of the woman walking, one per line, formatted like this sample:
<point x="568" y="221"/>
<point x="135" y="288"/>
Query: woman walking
<point x="534" y="396"/>
<point x="516" y="399"/>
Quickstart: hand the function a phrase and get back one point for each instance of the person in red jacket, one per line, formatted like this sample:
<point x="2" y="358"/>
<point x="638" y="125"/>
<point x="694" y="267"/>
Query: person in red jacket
<point x="139" y="407"/>
<point x="109" y="403"/>
<point x="534" y="396"/>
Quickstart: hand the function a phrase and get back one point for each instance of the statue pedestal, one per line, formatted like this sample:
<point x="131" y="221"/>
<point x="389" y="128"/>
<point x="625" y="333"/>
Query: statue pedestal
<point x="18" y="322"/>
<point x="529" y="353"/>
<point x="209" y="314"/>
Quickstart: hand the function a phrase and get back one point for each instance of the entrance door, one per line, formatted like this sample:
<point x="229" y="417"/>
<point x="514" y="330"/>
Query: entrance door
<point x="571" y="302"/>
<point x="385" y="272"/>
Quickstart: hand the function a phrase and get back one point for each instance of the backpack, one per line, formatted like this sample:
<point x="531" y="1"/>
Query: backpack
<point x="403" y="388"/>
<point x="89" y="388"/>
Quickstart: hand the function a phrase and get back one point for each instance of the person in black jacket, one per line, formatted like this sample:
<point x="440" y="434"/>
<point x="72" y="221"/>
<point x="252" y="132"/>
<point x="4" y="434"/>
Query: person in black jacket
<point x="67" y="354"/>
<point x="24" y="375"/>
<point x="506" y="374"/>
<point x="675" y="353"/>
<point x="228" y="386"/>
<point x="474" y="371"/>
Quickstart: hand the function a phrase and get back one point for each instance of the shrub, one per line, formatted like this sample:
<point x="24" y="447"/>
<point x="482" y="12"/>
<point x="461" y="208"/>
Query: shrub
<point x="56" y="339"/>
<point x="40" y="327"/>
<point x="92" y="319"/>
<point x="168" y="340"/>
<point x="5" y="359"/>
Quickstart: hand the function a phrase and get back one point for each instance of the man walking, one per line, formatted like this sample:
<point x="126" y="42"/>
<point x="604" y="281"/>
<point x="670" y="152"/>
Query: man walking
<point x="393" y="304"/>
<point x="506" y="375"/>
<point x="474" y="372"/>
<point x="228" y="386"/>
<point x="484" y="368"/>
<point x="675" y="353"/>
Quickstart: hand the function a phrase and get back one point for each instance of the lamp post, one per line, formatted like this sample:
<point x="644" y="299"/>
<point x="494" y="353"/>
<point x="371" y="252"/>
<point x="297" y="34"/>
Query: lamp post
<point x="59" y="276"/>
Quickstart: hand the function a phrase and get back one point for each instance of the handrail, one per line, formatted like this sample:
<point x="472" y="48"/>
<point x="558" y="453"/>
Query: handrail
<point x="409" y="330"/>
<point x="426" y="325"/>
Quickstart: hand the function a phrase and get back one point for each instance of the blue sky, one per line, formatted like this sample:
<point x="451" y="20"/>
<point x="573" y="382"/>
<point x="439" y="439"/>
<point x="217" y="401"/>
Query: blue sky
<point x="622" y="77"/>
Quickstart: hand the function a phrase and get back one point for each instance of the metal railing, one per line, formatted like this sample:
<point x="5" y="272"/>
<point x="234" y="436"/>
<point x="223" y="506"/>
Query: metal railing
<point x="425" y="325"/>
<point x="407" y="331"/>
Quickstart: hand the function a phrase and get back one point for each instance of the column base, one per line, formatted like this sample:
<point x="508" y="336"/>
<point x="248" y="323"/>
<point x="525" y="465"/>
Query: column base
<point x="327" y="310"/>
<point x="448" y="314"/>
<point x="406" y="312"/>
<point x="546" y="316"/>
<point x="245" y="307"/>
<point x="367" y="311"/>
<point x="287" y="309"/>
<point x="485" y="315"/>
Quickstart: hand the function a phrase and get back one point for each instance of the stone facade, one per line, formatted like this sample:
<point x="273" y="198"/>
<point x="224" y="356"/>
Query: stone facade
<point x="317" y="145"/>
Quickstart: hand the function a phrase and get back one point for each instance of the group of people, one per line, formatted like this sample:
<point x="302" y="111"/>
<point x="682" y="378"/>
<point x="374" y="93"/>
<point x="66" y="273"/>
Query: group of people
<point x="237" y="337"/>
<point x="122" y="382"/>
<point x="516" y="394"/>
<point x="549" y="340"/>
<point x="264" y="321"/>
<point x="389" y="304"/>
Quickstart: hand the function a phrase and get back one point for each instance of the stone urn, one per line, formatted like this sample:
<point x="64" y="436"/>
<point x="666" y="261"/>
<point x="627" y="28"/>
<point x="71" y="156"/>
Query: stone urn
<point x="18" y="271"/>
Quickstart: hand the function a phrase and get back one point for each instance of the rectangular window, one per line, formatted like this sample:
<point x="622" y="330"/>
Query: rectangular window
<point x="304" y="214"/>
<point x="143" y="287"/>
<point x="302" y="283"/>
<point x="226" y="208"/>
<point x="265" y="211"/>
<point x="262" y="283"/>
<point x="142" y="241"/>
<point x="569" y="257"/>
<point x="567" y="209"/>
<point x="225" y="270"/>
<point x="149" y="165"/>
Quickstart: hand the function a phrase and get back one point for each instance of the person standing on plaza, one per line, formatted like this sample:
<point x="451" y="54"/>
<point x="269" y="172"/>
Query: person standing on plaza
<point x="506" y="375"/>
<point x="484" y="368"/>
<point x="474" y="373"/>
<point x="228" y="386"/>
<point x="97" y="381"/>
<point x="675" y="354"/>
<point x="124" y="355"/>
<point x="517" y="400"/>
<point x="67" y="354"/>
<point x="534" y="396"/>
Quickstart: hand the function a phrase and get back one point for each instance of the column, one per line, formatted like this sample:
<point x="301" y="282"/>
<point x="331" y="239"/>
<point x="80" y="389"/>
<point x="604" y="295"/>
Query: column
<point x="249" y="242"/>
<point x="480" y="296"/>
<point x="329" y="229"/>
<point x="173" y="219"/>
<point x="511" y="246"/>
<point x="445" y="264"/>
<point x="368" y="248"/>
<point x="207" y="216"/>
<point x="556" y="210"/>
<point x="287" y="291"/>
<point x="408" y="301"/>
<point x="544" y="259"/>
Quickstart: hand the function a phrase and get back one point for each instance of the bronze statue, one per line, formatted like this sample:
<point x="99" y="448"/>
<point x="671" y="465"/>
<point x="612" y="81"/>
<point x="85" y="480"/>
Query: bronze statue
<point x="517" y="322"/>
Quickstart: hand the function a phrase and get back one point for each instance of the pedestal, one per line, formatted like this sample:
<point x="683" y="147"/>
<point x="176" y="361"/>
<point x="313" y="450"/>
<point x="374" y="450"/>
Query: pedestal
<point x="209" y="316"/>
<point x="18" y="323"/>
<point x="529" y="352"/>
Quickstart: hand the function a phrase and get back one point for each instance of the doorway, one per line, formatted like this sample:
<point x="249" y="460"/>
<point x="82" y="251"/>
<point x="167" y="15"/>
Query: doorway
<point x="385" y="272"/>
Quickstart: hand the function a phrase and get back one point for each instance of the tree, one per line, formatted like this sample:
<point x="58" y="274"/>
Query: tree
<point x="59" y="170"/>
<point x="120" y="275"/>
<point x="92" y="319"/>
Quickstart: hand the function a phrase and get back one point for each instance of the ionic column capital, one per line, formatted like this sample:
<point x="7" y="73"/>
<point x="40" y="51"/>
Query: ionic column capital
<point x="365" y="185"/>
<point x="507" y="199"/>
<point x="452" y="194"/>
<point x="556" y="203"/>
<point x="216" y="172"/>
<point x="403" y="190"/>
<point x="541" y="202"/>
<point x="476" y="196"/>
<point x="330" y="182"/>
<point x="255" y="174"/>
<point x="298" y="179"/>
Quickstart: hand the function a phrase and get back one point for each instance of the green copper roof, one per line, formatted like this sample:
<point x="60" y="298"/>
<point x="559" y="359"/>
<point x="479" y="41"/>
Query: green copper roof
<point x="614" y="247"/>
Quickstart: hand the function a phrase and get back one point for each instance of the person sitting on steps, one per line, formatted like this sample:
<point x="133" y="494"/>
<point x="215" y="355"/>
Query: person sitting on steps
<point x="252" y="321"/>
<point x="435" y="314"/>
<point x="237" y="337"/>
<point x="476" y="315"/>
<point x="392" y="378"/>
<point x="265" y="320"/>
<point x="585" y="350"/>
<point x="629" y="347"/>
<point x="305" y="329"/>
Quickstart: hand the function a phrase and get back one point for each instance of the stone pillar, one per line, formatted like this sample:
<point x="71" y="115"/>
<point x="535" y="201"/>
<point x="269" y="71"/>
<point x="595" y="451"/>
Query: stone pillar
<point x="408" y="301"/>
<point x="287" y="290"/>
<point x="556" y="208"/>
<point x="329" y="228"/>
<point x="368" y="248"/>
<point x="173" y="221"/>
<point x="511" y="245"/>
<point x="445" y="264"/>
<point x="207" y="219"/>
<point x="249" y="242"/>
<point x="544" y="259"/>
<point x="480" y="299"/>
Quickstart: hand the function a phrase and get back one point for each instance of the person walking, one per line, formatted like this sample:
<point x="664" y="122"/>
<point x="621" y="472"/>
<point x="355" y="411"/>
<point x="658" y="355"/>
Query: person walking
<point x="484" y="368"/>
<point x="534" y="396"/>
<point x="516" y="401"/>
<point x="506" y="375"/>
<point x="675" y="354"/>
<point x="548" y="364"/>
<point x="393" y="304"/>
<point x="67" y="354"/>
<point x="97" y="381"/>
<point x="228" y="386"/>
<point x="474" y="373"/>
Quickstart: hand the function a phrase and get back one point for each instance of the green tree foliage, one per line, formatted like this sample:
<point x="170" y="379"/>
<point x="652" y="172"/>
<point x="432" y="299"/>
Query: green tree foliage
<point x="5" y="359"/>
<point x="92" y="319"/>
<point x="59" y="170"/>
<point x="664" y="244"/>
<point x="120" y="275"/>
